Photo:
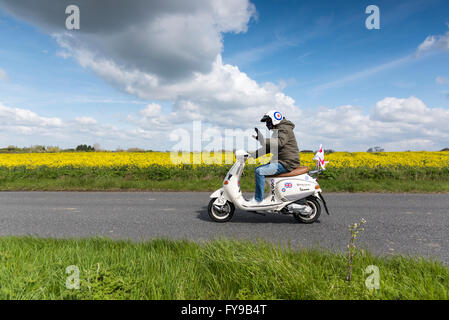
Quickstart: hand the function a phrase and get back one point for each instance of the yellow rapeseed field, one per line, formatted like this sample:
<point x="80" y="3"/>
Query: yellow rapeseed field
<point x="144" y="159"/>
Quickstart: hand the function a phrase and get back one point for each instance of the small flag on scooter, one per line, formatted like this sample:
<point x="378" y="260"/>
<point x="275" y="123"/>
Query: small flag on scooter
<point x="319" y="156"/>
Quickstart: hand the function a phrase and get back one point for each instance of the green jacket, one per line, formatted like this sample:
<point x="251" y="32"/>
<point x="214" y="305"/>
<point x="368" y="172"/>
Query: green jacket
<point x="284" y="141"/>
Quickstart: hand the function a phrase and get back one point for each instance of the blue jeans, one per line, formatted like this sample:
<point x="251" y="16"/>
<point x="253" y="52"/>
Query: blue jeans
<point x="270" y="169"/>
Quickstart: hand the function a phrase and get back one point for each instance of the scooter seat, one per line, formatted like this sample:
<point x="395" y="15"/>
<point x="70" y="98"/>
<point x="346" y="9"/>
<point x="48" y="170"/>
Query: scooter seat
<point x="297" y="172"/>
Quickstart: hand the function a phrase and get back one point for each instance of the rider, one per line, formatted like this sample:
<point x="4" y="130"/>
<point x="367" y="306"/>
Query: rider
<point x="282" y="145"/>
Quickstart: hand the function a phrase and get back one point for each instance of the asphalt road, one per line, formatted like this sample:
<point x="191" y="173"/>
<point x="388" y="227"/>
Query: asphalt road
<point x="416" y="224"/>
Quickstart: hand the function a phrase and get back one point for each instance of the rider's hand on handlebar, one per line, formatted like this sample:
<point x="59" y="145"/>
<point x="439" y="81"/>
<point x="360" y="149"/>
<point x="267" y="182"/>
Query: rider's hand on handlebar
<point x="259" y="136"/>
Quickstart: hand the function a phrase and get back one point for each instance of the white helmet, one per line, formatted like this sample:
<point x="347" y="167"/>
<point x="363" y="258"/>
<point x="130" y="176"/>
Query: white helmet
<point x="275" y="116"/>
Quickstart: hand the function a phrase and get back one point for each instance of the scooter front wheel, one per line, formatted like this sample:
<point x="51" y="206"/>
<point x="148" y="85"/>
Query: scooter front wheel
<point x="222" y="213"/>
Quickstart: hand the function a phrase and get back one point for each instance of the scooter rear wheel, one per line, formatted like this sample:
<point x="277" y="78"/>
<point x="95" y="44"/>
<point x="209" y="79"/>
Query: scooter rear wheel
<point x="316" y="211"/>
<point x="224" y="214"/>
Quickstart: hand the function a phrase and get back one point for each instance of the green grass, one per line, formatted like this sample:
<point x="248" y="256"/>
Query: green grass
<point x="208" y="178"/>
<point x="163" y="269"/>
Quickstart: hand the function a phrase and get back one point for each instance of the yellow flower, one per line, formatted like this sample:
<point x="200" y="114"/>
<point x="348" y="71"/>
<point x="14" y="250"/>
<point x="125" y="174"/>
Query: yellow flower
<point x="145" y="159"/>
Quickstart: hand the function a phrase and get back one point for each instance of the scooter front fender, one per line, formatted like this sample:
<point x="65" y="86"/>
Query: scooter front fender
<point x="217" y="194"/>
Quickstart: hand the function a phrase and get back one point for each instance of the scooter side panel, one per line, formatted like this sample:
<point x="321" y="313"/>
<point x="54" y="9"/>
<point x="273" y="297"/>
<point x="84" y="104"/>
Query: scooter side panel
<point x="291" y="189"/>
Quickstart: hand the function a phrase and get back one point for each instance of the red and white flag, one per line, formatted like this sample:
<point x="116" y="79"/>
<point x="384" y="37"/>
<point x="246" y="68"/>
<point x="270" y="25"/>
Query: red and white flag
<point x="319" y="157"/>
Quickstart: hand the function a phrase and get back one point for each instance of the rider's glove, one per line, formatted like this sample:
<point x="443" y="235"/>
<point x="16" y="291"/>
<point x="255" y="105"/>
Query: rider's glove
<point x="259" y="137"/>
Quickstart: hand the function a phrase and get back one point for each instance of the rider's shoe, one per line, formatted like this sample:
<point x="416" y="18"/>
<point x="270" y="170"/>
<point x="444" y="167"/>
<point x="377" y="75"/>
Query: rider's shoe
<point x="254" y="202"/>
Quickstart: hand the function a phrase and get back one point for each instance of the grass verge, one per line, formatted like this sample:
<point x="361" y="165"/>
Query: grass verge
<point x="165" y="269"/>
<point x="208" y="178"/>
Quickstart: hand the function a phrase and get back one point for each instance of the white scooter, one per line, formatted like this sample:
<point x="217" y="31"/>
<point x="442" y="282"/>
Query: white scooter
<point x="297" y="193"/>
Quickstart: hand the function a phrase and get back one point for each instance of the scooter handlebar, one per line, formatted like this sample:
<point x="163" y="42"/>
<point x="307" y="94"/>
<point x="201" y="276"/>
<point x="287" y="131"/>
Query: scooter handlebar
<point x="242" y="154"/>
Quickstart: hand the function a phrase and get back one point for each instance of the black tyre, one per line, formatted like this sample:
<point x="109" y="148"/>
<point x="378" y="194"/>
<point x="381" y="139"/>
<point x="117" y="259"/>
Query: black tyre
<point x="313" y="203"/>
<point x="223" y="214"/>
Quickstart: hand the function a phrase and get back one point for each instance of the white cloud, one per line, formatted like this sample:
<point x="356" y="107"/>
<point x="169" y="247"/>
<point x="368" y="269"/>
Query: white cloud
<point x="86" y="120"/>
<point x="394" y="123"/>
<point x="151" y="111"/>
<point x="166" y="52"/>
<point x="225" y="95"/>
<point x="3" y="75"/>
<point x="434" y="43"/>
<point x="411" y="110"/>
<point x="25" y="117"/>
<point x="442" y="80"/>
<point x="24" y="127"/>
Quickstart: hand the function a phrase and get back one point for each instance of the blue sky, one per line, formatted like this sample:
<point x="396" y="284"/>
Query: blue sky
<point x="319" y="54"/>
<point x="308" y="44"/>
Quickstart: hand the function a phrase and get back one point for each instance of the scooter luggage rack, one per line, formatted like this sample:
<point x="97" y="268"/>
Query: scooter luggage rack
<point x="317" y="170"/>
